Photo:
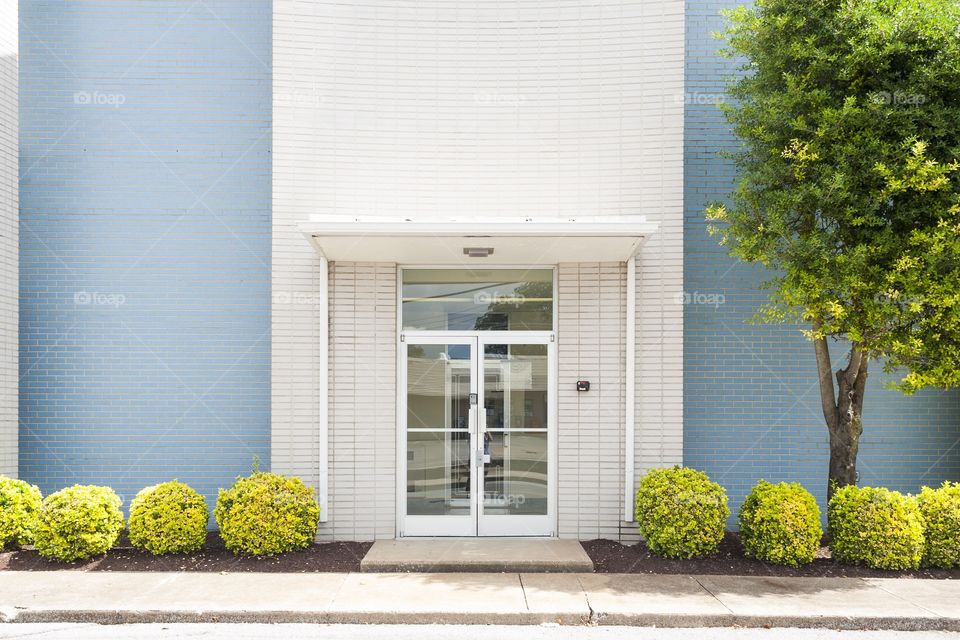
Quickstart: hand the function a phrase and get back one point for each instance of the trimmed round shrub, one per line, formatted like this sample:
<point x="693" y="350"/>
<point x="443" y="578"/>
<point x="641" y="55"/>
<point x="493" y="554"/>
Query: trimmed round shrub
<point x="266" y="514"/>
<point x="20" y="504"/>
<point x="780" y="524"/>
<point x="168" y="518"/>
<point x="79" y="522"/>
<point x="681" y="513"/>
<point x="875" y="527"/>
<point x="940" y="509"/>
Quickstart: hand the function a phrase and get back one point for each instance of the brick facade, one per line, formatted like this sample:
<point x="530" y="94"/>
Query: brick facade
<point x="9" y="232"/>
<point x="169" y="312"/>
<point x="145" y="242"/>
<point x="751" y="401"/>
<point x="461" y="109"/>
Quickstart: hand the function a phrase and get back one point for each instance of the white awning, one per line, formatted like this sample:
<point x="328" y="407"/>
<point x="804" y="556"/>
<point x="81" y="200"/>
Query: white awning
<point x="483" y="241"/>
<point x="479" y="241"/>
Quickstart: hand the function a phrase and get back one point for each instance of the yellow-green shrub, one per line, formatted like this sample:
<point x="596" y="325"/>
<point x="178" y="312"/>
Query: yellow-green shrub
<point x="681" y="513"/>
<point x="20" y="504"/>
<point x="780" y="524"/>
<point x="875" y="527"/>
<point x="940" y="509"/>
<point x="168" y="518"/>
<point x="266" y="514"/>
<point x="79" y="522"/>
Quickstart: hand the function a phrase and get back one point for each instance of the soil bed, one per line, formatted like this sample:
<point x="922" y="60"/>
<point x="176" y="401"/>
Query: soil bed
<point x="325" y="557"/>
<point x="613" y="557"/>
<point x="338" y="557"/>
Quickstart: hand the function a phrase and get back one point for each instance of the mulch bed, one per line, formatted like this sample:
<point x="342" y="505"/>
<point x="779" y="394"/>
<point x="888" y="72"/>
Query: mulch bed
<point x="336" y="557"/>
<point x="612" y="557"/>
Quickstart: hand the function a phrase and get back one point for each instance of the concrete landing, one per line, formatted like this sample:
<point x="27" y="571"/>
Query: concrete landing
<point x="441" y="555"/>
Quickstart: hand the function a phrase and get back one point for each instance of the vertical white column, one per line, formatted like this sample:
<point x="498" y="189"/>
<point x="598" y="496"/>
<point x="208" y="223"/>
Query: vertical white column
<point x="323" y="387"/>
<point x="630" y="395"/>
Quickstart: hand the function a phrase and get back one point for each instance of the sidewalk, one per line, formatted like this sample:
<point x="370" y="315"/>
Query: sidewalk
<point x="481" y="598"/>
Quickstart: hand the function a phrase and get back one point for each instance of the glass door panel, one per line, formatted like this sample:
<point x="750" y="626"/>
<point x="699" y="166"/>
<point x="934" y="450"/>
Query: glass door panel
<point x="438" y="473"/>
<point x="515" y="478"/>
<point x="440" y="418"/>
<point x="477" y="436"/>
<point x="515" y="431"/>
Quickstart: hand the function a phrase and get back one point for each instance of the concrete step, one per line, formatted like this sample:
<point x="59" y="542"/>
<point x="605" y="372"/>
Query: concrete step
<point x="440" y="555"/>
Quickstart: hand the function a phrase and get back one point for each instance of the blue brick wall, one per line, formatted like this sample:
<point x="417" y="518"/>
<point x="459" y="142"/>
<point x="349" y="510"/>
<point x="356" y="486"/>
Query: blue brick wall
<point x="145" y="241"/>
<point x="145" y="269"/>
<point x="752" y="408"/>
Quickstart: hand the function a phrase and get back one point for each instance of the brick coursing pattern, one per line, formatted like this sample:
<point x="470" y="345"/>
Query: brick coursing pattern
<point x="471" y="109"/>
<point x="145" y="242"/>
<point x="145" y="174"/>
<point x="591" y="330"/>
<point x="9" y="237"/>
<point x="751" y="399"/>
<point x="362" y="455"/>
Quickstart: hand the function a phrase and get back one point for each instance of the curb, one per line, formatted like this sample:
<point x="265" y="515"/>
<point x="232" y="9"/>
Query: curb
<point x="392" y="617"/>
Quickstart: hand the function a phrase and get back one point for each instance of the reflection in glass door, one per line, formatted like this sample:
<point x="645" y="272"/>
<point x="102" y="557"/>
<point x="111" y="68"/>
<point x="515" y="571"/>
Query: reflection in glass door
<point x="478" y="423"/>
<point x="515" y="430"/>
<point x="440" y="416"/>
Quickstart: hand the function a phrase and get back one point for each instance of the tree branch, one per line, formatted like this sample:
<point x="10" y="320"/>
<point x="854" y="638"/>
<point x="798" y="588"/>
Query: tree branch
<point x="853" y="367"/>
<point x="860" y="385"/>
<point x="828" y="400"/>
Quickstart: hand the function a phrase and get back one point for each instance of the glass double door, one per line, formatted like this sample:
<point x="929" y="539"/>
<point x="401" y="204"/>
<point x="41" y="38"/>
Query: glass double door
<point x="477" y="430"/>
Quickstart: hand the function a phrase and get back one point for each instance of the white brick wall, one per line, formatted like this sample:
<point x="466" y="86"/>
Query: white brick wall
<point x="9" y="237"/>
<point x="590" y="337"/>
<point x="469" y="107"/>
<point x="295" y="356"/>
<point x="295" y="352"/>
<point x="363" y="402"/>
<point x="659" y="390"/>
<point x="533" y="107"/>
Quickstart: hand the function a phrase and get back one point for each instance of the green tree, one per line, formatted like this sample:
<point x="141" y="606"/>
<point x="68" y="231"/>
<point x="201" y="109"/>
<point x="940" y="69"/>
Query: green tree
<point x="848" y="117"/>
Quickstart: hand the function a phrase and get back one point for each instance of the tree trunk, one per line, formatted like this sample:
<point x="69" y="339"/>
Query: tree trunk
<point x="842" y="411"/>
<point x="844" y="444"/>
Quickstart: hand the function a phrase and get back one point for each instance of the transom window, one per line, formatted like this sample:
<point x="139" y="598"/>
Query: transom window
<point x="477" y="299"/>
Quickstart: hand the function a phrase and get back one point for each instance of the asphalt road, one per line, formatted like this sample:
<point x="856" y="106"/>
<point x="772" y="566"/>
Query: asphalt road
<point x="431" y="632"/>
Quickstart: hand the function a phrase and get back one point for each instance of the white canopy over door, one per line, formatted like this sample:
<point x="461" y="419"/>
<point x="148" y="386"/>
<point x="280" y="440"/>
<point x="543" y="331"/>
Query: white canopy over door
<point x="478" y="242"/>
